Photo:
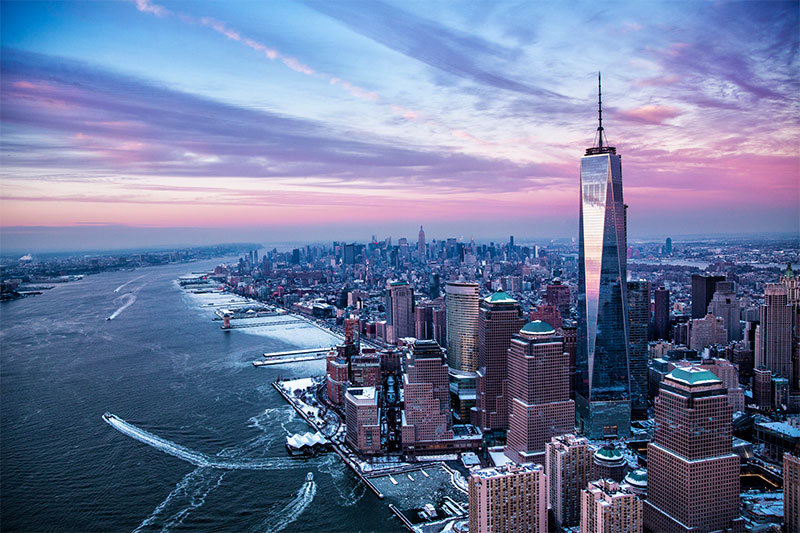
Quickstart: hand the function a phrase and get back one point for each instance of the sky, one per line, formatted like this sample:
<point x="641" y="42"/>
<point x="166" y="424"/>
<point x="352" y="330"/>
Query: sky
<point x="160" y="122"/>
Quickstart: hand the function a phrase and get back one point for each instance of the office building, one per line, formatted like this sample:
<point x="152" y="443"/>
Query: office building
<point x="336" y="376"/>
<point x="399" y="311"/>
<point x="539" y="404"/>
<point x="774" y="336"/>
<point x="693" y="474"/>
<point x="557" y="294"/>
<point x="638" y="325"/>
<point x="365" y="370"/>
<point x="426" y="388"/>
<point x="603" y="395"/>
<point x="661" y="313"/>
<point x="703" y="288"/>
<point x="725" y="305"/>
<point x="569" y="331"/>
<point x="568" y="465"/>
<point x="636" y="482"/>
<point x="499" y="317"/>
<point x="707" y="331"/>
<point x="791" y="492"/>
<point x="362" y="417"/>
<point x="508" y="499"/>
<point x="609" y="463"/>
<point x="607" y="507"/>
<point x="461" y="302"/>
<point x="790" y="280"/>
<point x="546" y="313"/>
<point x="762" y="388"/>
<point x="421" y="245"/>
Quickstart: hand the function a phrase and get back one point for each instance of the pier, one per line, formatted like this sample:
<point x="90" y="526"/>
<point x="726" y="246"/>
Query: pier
<point x="266" y="324"/>
<point x="296" y="352"/>
<point x="336" y="446"/>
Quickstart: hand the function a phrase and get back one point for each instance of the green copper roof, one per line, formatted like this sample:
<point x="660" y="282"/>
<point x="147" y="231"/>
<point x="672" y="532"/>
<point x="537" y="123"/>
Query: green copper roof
<point x="538" y="327"/>
<point x="639" y="476"/>
<point x="789" y="273"/>
<point x="500" y="297"/>
<point x="609" y="453"/>
<point x="693" y="375"/>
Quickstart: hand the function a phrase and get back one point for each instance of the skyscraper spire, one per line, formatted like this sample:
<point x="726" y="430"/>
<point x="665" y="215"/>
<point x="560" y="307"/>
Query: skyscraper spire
<point x="600" y="145"/>
<point x="599" y="112"/>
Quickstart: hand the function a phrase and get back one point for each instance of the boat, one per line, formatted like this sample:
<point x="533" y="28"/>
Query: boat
<point x="310" y="477"/>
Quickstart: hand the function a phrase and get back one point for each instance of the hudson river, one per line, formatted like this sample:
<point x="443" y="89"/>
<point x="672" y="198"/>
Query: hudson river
<point x="166" y="369"/>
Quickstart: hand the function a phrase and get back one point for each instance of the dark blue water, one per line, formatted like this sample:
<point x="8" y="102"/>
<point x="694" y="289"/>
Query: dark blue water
<point x="163" y="366"/>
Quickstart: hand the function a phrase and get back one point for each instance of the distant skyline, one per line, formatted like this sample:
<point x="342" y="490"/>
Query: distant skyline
<point x="205" y="122"/>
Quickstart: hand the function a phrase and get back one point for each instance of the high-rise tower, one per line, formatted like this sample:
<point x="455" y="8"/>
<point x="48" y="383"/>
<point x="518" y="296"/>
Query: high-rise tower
<point x="461" y="301"/>
<point x="421" y="245"/>
<point x="399" y="310"/>
<point x="692" y="472"/>
<point x="603" y="384"/>
<point x="499" y="317"/>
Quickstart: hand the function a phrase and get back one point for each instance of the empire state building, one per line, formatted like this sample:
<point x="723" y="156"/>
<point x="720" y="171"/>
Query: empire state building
<point x="603" y="406"/>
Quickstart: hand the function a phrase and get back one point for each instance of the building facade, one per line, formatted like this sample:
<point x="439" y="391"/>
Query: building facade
<point x="508" y="499"/>
<point x="399" y="311"/>
<point x="540" y="407"/>
<point x="703" y="288"/>
<point x="693" y="474"/>
<point x="638" y="326"/>
<point x="725" y="305"/>
<point x="499" y="317"/>
<point x="791" y="492"/>
<point x="568" y="465"/>
<point x="362" y="417"/>
<point x="707" y="331"/>
<point x="661" y="313"/>
<point x="603" y="395"/>
<point x="774" y="346"/>
<point x="461" y="302"/>
<point x="606" y="507"/>
<point x="426" y="416"/>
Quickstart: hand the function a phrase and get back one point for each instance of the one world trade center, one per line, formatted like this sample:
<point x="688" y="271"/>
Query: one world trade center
<point x="602" y="376"/>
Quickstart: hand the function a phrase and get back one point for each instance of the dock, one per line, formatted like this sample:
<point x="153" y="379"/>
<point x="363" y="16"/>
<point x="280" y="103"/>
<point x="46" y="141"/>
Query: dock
<point x="296" y="352"/>
<point x="265" y="324"/>
<point x="286" y="360"/>
<point x="336" y="446"/>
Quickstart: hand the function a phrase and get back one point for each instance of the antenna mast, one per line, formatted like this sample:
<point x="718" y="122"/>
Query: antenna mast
<point x="599" y="112"/>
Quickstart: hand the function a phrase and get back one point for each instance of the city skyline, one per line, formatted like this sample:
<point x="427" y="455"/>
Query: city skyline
<point x="169" y="122"/>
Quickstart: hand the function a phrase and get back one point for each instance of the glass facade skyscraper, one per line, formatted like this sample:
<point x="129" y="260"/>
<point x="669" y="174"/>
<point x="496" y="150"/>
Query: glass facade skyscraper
<point x="603" y="362"/>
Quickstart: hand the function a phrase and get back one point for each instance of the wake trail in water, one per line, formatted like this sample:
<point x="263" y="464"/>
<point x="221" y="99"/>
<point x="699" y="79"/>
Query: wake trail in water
<point x="129" y="299"/>
<point x="281" y="518"/>
<point x="190" y="456"/>
<point x="127" y="283"/>
<point x="194" y="487"/>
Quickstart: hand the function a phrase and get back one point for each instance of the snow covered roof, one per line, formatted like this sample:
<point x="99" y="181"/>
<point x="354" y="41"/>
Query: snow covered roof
<point x="306" y="439"/>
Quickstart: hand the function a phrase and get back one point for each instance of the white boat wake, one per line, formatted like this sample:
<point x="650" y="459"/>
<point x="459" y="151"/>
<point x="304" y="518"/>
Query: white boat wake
<point x="278" y="520"/>
<point x="189" y="494"/>
<point x="127" y="283"/>
<point x="191" y="456"/>
<point x="128" y="299"/>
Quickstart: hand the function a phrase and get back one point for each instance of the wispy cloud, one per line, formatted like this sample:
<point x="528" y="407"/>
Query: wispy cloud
<point x="149" y="130"/>
<point x="269" y="52"/>
<point x="462" y="55"/>
<point x="649" y="114"/>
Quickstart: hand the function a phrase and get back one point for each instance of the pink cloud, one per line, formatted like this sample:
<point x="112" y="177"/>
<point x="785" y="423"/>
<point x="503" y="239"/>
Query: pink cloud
<point x="658" y="81"/>
<point x="146" y="7"/>
<point x="649" y="114"/>
<point x="294" y="64"/>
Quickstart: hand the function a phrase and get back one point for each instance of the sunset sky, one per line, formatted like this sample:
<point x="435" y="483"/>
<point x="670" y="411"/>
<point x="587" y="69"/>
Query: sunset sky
<point x="133" y="123"/>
